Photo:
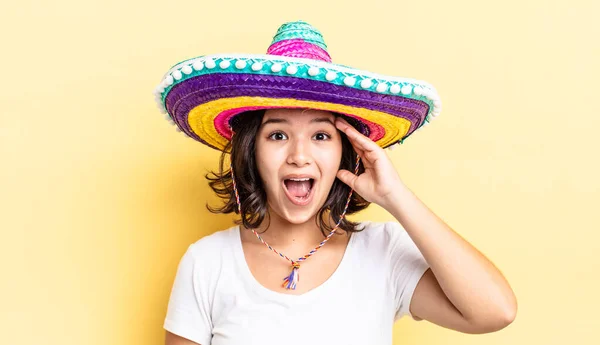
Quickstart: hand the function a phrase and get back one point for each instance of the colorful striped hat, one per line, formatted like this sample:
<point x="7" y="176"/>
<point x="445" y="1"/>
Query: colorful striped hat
<point x="202" y="95"/>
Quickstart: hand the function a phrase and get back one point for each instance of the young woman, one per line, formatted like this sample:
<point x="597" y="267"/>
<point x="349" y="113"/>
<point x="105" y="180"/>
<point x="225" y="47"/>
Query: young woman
<point x="305" y="140"/>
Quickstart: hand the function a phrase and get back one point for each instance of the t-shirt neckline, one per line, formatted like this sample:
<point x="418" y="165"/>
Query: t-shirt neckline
<point x="266" y="292"/>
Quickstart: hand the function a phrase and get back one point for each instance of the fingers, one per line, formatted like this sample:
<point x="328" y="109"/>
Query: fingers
<point x="358" y="140"/>
<point x="358" y="151"/>
<point x="347" y="177"/>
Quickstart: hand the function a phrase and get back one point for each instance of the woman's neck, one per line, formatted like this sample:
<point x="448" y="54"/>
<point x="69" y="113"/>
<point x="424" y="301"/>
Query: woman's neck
<point x="282" y="233"/>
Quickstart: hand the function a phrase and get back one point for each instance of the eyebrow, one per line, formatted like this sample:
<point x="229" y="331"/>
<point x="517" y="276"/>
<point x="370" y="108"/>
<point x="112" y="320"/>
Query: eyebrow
<point x="280" y="120"/>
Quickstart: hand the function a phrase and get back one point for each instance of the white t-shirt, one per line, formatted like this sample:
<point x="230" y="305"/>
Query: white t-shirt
<point x="215" y="299"/>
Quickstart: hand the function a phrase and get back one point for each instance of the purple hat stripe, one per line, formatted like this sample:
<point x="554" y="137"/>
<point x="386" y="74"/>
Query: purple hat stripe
<point x="201" y="89"/>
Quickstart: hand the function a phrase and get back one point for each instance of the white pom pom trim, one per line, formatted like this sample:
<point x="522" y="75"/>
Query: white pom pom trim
<point x="276" y="68"/>
<point x="158" y="90"/>
<point x="177" y="74"/>
<point x="381" y="87"/>
<point x="330" y="75"/>
<point x="257" y="66"/>
<point x="240" y="64"/>
<point x="210" y="63"/>
<point x="291" y="69"/>
<point x="187" y="69"/>
<point x="366" y="83"/>
<point x="198" y="65"/>
<point x="224" y="64"/>
<point x="313" y="71"/>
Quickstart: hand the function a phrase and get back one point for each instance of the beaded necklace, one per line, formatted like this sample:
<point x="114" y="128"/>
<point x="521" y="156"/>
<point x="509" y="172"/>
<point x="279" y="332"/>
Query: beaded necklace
<point x="291" y="282"/>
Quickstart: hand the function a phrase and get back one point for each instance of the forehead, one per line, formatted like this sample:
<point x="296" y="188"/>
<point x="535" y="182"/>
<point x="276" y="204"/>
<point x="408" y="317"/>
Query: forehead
<point x="297" y="116"/>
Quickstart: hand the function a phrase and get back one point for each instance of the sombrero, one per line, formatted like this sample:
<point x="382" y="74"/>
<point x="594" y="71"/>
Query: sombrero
<point x="202" y="95"/>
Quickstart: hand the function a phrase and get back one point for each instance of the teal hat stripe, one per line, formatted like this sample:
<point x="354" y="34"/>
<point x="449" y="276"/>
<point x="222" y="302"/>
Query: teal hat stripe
<point x="300" y="30"/>
<point x="271" y="67"/>
<point x="308" y="37"/>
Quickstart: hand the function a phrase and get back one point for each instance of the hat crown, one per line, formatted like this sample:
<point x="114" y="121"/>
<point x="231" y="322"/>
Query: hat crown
<point x="300" y="40"/>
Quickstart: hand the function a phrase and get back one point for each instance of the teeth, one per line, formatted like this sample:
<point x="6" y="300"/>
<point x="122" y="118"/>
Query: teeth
<point x="299" y="179"/>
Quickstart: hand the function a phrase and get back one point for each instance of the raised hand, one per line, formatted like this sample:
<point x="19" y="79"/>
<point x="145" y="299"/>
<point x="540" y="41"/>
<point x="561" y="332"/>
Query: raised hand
<point x="380" y="179"/>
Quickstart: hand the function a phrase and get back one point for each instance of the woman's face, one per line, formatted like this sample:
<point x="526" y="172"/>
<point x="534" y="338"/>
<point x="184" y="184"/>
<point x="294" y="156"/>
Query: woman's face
<point x="298" y="154"/>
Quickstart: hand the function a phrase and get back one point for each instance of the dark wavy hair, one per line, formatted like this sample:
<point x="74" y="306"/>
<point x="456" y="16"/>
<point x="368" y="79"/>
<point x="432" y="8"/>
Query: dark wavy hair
<point x="253" y="198"/>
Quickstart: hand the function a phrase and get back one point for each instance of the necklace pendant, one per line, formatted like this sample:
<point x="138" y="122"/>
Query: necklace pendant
<point x="290" y="282"/>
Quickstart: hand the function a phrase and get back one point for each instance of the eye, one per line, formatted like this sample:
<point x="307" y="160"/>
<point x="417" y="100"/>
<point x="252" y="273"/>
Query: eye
<point x="277" y="136"/>
<point x="322" y="136"/>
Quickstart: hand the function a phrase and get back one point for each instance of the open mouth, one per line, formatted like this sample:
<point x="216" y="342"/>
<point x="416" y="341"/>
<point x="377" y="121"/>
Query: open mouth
<point x="299" y="191"/>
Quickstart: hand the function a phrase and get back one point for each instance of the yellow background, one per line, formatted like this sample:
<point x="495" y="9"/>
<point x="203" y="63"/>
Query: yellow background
<point x="100" y="197"/>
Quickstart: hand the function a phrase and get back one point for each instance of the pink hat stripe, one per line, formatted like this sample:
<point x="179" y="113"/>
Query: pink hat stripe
<point x="298" y="48"/>
<point x="222" y="121"/>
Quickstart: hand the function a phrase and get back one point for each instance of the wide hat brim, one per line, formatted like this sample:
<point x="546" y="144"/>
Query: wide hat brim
<point x="202" y="95"/>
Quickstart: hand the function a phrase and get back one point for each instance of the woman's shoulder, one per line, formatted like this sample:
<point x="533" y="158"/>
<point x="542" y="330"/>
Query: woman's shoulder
<point x="380" y="230"/>
<point x="213" y="243"/>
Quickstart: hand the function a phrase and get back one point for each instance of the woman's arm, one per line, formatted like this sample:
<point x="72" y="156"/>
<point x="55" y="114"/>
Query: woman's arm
<point x="174" y="339"/>
<point x="462" y="290"/>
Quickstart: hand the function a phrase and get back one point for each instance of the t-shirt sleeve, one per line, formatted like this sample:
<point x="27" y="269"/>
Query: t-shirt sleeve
<point x="407" y="266"/>
<point x="188" y="311"/>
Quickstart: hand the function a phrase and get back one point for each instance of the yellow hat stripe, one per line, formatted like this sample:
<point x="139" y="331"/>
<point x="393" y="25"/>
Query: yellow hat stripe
<point x="201" y="118"/>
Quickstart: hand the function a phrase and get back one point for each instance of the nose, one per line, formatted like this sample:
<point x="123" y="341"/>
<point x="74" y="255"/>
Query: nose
<point x="299" y="153"/>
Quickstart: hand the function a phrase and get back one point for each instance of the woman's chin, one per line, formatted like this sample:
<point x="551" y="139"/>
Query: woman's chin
<point x="298" y="215"/>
